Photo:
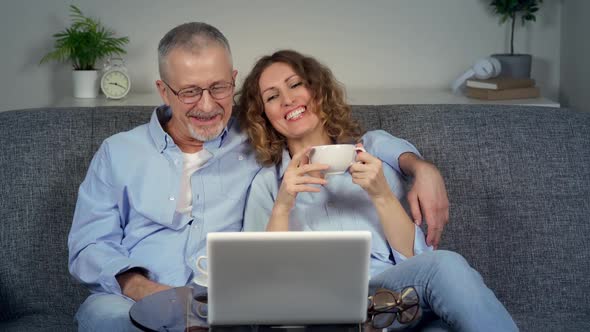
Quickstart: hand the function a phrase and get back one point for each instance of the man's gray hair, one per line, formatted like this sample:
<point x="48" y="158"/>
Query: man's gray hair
<point x="192" y="37"/>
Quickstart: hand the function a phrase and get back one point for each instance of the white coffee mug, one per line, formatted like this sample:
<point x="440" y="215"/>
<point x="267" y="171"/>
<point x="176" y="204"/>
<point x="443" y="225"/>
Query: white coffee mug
<point x="202" y="278"/>
<point x="338" y="156"/>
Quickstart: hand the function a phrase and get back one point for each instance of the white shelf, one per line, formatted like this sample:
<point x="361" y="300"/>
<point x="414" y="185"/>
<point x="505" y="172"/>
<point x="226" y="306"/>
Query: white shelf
<point x="130" y="100"/>
<point x="431" y="96"/>
<point x="355" y="97"/>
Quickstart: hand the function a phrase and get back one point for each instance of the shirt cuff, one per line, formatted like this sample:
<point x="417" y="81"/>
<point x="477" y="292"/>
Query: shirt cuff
<point x="107" y="277"/>
<point x="389" y="148"/>
<point x="420" y="246"/>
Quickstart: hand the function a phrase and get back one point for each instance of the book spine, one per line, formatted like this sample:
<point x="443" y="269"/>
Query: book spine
<point x="487" y="94"/>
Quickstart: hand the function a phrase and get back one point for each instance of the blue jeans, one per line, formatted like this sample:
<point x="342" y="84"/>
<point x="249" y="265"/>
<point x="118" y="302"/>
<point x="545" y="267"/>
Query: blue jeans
<point x="105" y="312"/>
<point x="450" y="290"/>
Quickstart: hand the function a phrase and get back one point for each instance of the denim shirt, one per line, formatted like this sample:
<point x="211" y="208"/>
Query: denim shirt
<point x="126" y="215"/>
<point x="341" y="205"/>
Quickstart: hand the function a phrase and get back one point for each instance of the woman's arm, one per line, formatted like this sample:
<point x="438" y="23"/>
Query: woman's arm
<point x="398" y="227"/>
<point x="279" y="220"/>
<point x="427" y="199"/>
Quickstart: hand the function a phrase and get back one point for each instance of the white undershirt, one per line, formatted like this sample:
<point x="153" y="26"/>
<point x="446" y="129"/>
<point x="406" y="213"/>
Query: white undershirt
<point x="192" y="162"/>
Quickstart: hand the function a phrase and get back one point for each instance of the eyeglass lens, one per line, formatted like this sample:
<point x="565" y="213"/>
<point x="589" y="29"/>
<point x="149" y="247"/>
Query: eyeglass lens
<point x="383" y="320"/>
<point x="408" y="314"/>
<point x="193" y="95"/>
<point x="384" y="300"/>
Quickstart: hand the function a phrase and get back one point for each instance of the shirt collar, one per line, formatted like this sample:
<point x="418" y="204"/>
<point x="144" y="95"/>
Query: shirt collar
<point x="163" y="140"/>
<point x="285" y="160"/>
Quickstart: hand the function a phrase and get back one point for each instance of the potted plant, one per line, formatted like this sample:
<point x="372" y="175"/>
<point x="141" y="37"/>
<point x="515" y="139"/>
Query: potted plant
<point x="515" y="65"/>
<point x="82" y="44"/>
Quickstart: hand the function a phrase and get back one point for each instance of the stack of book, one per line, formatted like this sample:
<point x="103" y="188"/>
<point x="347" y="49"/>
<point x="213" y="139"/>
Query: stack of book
<point x="500" y="88"/>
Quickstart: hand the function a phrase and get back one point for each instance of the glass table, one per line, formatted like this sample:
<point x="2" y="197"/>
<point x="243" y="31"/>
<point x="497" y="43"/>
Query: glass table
<point x="181" y="309"/>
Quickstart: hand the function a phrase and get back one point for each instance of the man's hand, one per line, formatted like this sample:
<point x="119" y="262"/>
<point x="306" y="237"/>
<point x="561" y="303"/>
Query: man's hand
<point x="428" y="197"/>
<point x="136" y="285"/>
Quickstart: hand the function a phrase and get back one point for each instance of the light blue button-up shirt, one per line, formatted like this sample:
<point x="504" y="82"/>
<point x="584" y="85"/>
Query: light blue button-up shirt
<point x="341" y="205"/>
<point x="126" y="215"/>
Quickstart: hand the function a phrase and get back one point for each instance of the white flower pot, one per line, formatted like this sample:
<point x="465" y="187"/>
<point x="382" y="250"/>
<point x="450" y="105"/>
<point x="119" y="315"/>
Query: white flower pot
<point x="85" y="83"/>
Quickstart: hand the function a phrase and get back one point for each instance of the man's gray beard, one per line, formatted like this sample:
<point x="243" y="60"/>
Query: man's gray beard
<point x="210" y="133"/>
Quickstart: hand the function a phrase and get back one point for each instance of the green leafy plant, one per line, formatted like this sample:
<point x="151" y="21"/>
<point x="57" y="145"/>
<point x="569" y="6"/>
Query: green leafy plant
<point x="85" y="42"/>
<point x="510" y="9"/>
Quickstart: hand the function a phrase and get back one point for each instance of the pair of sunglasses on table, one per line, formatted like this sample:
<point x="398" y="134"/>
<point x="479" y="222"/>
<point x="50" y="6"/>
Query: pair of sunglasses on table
<point x="384" y="308"/>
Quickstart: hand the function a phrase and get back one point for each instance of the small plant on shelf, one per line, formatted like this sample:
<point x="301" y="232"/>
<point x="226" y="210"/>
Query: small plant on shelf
<point x="85" y="42"/>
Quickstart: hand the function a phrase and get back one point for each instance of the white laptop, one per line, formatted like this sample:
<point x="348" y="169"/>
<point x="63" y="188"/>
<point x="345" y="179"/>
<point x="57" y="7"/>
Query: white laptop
<point x="288" y="278"/>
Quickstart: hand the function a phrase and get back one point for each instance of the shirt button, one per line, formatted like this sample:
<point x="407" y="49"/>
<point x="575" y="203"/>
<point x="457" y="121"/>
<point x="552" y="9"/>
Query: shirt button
<point x="175" y="161"/>
<point x="171" y="198"/>
<point x="241" y="157"/>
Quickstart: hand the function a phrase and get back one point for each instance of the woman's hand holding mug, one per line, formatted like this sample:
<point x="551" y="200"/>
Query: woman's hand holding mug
<point x="367" y="172"/>
<point x="298" y="177"/>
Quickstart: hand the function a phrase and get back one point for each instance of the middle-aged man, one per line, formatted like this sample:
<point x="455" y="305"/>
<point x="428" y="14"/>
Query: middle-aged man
<point x="153" y="193"/>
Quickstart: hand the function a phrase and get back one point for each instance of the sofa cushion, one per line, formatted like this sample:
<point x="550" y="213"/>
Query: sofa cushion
<point x="552" y="320"/>
<point x="45" y="155"/>
<point x="518" y="180"/>
<point x="40" y="322"/>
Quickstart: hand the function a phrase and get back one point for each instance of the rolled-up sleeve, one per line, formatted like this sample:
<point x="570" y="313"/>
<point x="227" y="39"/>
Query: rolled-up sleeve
<point x="388" y="148"/>
<point x="260" y="201"/>
<point x="96" y="255"/>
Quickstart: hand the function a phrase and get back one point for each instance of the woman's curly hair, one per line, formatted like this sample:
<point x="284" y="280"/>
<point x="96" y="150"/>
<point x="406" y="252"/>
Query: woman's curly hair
<point x="327" y="93"/>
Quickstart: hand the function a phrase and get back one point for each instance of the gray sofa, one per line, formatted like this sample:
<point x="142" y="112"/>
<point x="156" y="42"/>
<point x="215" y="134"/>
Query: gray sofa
<point x="518" y="180"/>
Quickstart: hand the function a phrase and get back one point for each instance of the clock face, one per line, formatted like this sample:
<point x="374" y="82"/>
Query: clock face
<point x="115" y="84"/>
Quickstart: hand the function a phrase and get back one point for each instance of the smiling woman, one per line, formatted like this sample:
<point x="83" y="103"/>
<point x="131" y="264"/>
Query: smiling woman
<point x="287" y="100"/>
<point x="294" y="103"/>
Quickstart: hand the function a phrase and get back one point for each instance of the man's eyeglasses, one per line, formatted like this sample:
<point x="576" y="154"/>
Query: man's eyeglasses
<point x="387" y="306"/>
<point x="192" y="95"/>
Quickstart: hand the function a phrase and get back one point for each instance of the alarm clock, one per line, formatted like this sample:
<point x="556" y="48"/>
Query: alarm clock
<point x="115" y="82"/>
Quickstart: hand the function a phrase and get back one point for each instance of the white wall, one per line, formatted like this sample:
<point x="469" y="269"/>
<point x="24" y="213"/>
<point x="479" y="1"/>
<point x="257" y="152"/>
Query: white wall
<point x="575" y="55"/>
<point x="378" y="43"/>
